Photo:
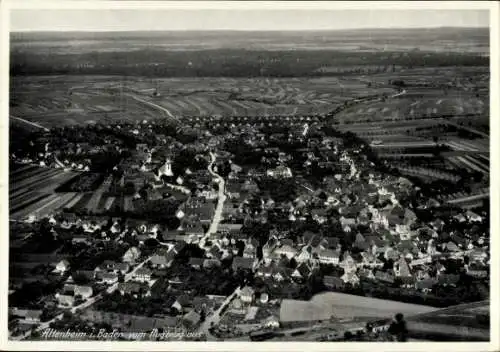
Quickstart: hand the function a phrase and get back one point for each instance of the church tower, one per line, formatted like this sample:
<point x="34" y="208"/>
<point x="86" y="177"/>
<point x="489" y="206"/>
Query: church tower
<point x="166" y="169"/>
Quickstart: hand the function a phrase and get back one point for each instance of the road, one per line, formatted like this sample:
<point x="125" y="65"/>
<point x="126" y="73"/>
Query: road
<point x="469" y="198"/>
<point x="30" y="123"/>
<point x="83" y="305"/>
<point x="403" y="92"/>
<point x="468" y="129"/>
<point x="156" y="106"/>
<point x="179" y="188"/>
<point x="220" y="202"/>
<point x="215" y="316"/>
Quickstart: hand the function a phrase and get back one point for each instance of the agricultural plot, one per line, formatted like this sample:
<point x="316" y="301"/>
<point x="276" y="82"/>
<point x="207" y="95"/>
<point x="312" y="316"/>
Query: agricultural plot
<point x="70" y="100"/>
<point x="416" y="105"/>
<point x="32" y="188"/>
<point x="51" y="101"/>
<point x="469" y="163"/>
<point x="469" y="145"/>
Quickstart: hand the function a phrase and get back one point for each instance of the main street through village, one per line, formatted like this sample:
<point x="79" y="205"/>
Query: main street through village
<point x="220" y="201"/>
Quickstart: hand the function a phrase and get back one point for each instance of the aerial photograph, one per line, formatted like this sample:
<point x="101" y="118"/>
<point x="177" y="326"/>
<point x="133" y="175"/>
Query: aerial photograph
<point x="294" y="175"/>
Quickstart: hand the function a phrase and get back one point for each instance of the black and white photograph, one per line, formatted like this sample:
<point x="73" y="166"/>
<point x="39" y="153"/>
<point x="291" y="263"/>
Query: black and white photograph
<point x="249" y="172"/>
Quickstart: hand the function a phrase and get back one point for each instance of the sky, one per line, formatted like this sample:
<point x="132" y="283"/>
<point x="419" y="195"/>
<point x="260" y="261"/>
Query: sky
<point x="238" y="19"/>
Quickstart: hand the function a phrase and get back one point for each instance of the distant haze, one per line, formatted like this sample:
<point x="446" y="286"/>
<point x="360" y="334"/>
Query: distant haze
<point x="245" y="20"/>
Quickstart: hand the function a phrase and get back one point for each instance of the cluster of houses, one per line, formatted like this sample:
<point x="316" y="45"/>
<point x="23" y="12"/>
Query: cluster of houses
<point x="363" y="232"/>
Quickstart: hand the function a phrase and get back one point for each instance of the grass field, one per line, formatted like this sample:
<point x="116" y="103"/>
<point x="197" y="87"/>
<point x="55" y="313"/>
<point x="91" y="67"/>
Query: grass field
<point x="339" y="305"/>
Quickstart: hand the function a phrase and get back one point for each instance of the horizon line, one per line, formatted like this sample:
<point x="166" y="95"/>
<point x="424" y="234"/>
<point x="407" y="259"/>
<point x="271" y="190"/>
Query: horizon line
<point x="244" y="30"/>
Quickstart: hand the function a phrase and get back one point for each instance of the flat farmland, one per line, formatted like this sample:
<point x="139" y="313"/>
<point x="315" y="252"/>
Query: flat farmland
<point x="32" y="191"/>
<point x="417" y="103"/>
<point x="69" y="100"/>
<point x="55" y="100"/>
<point x="255" y="96"/>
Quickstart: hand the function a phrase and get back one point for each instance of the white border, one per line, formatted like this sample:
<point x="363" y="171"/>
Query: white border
<point x="6" y="5"/>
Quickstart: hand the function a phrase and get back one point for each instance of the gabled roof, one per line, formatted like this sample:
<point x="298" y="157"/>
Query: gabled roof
<point x="243" y="263"/>
<point x="404" y="269"/>
<point x="143" y="271"/>
<point x="159" y="260"/>
<point x="196" y="261"/>
<point x="332" y="281"/>
<point x="247" y="291"/>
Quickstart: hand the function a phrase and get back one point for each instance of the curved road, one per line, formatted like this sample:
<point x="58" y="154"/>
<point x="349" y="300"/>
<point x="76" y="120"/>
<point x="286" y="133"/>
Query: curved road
<point x="156" y="106"/>
<point x="220" y="202"/>
<point x="34" y="124"/>
<point x="215" y="316"/>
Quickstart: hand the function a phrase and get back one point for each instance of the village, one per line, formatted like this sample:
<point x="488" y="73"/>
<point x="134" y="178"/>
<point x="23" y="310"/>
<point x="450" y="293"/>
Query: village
<point x="227" y="232"/>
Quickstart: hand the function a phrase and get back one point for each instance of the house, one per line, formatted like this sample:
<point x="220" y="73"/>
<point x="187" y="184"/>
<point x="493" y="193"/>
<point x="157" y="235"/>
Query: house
<point x="131" y="255"/>
<point x="302" y="271"/>
<point x="348" y="263"/>
<point x="247" y="294"/>
<point x="407" y="281"/>
<point x="65" y="301"/>
<point x="333" y="282"/>
<point x="195" y="229"/>
<point x="134" y="289"/>
<point x="81" y="239"/>
<point x="371" y="261"/>
<point x="448" y="279"/>
<point x="240" y="263"/>
<point x="271" y="322"/>
<point x="384" y="276"/>
<point x="215" y="252"/>
<point x="162" y="261"/>
<point x="203" y="303"/>
<point x="478" y="255"/>
<point x="233" y="190"/>
<point x="191" y="319"/>
<point x="109" y="278"/>
<point x="425" y="285"/>
<point x="473" y="217"/>
<point x="286" y="250"/>
<point x="401" y="268"/>
<point x="211" y="263"/>
<point x="281" y="273"/>
<point x="62" y="267"/>
<point x="182" y="303"/>
<point x="476" y="270"/>
<point x="88" y="275"/>
<point x="84" y="291"/>
<point x="304" y="255"/>
<point x="460" y="218"/>
<point x="366" y="273"/>
<point x="280" y="171"/>
<point x="33" y="316"/>
<point x="249" y="252"/>
<point x="267" y="270"/>
<point x="350" y="278"/>
<point x="179" y="246"/>
<point x="328" y="256"/>
<point x="319" y="215"/>
<point x="451" y="247"/>
<point x="142" y="275"/>
<point x="380" y="326"/>
<point x="196" y="263"/>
